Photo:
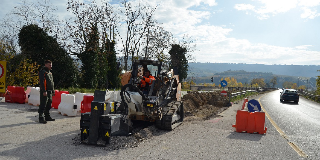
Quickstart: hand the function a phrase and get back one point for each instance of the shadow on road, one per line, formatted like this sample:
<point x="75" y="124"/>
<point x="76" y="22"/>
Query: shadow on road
<point x="246" y="136"/>
<point x="289" y="103"/>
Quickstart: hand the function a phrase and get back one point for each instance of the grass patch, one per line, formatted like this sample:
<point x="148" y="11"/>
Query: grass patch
<point x="238" y="98"/>
<point x="73" y="90"/>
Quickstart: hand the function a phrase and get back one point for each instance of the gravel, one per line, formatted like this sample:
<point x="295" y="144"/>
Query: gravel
<point x="22" y="137"/>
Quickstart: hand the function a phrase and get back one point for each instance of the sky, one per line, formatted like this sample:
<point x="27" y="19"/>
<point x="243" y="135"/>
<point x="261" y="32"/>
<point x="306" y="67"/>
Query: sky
<point x="236" y="31"/>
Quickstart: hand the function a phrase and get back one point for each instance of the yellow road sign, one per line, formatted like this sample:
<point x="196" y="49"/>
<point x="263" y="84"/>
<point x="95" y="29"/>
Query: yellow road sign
<point x="3" y="76"/>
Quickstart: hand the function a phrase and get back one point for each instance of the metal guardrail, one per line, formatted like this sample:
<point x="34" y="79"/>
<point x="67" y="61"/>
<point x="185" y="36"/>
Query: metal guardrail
<point x="242" y="93"/>
<point x="309" y="95"/>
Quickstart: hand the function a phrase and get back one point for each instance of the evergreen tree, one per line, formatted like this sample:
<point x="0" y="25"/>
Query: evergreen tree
<point x="38" y="46"/>
<point x="179" y="60"/>
<point x="90" y="60"/>
<point x="114" y="71"/>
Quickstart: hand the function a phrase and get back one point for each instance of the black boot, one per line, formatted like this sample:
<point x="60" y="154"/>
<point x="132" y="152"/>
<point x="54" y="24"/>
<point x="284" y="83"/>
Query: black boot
<point x="48" y="118"/>
<point x="42" y="120"/>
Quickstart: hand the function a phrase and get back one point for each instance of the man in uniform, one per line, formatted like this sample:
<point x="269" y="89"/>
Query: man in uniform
<point x="146" y="81"/>
<point x="46" y="91"/>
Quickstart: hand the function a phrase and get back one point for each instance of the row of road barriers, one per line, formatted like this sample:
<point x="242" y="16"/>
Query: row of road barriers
<point x="312" y="96"/>
<point x="67" y="104"/>
<point x="242" y="93"/>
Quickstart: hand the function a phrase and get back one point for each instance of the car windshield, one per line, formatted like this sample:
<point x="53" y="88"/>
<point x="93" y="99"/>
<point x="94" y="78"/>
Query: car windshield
<point x="291" y="91"/>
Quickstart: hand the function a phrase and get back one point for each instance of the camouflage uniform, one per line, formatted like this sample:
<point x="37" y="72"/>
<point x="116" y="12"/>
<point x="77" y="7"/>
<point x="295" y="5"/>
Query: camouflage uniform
<point x="46" y="85"/>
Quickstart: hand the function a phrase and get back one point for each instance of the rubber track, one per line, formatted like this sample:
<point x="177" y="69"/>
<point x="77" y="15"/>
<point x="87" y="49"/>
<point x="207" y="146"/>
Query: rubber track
<point x="166" y="121"/>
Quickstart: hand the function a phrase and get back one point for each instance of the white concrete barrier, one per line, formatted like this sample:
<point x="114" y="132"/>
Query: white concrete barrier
<point x="34" y="96"/>
<point x="66" y="106"/>
<point x="28" y="93"/>
<point x="78" y="100"/>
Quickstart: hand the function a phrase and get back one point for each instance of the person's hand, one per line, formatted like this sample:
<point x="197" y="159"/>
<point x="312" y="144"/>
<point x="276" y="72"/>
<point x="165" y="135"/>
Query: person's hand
<point x="44" y="93"/>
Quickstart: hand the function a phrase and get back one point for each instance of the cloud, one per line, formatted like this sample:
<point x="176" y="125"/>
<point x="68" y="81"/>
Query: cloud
<point x="232" y="50"/>
<point x="309" y="13"/>
<point x="303" y="47"/>
<point x="267" y="8"/>
<point x="190" y="3"/>
<point x="309" y="3"/>
<point x="243" y="7"/>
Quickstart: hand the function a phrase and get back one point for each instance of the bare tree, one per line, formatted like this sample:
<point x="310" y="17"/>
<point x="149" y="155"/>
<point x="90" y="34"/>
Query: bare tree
<point x="138" y="25"/>
<point x="40" y="13"/>
<point x="158" y="44"/>
<point x="87" y="15"/>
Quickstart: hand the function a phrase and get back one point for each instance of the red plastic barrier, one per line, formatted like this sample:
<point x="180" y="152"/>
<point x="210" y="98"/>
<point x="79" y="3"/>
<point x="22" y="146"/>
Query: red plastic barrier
<point x="56" y="99"/>
<point x="19" y="95"/>
<point x="244" y="103"/>
<point x="9" y="94"/>
<point x="86" y="103"/>
<point x="250" y="122"/>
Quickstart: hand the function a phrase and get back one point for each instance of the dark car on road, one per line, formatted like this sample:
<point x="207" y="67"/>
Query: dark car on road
<point x="289" y="95"/>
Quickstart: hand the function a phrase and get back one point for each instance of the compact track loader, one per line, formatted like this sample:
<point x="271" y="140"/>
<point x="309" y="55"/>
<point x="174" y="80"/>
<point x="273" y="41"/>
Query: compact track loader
<point x="160" y="102"/>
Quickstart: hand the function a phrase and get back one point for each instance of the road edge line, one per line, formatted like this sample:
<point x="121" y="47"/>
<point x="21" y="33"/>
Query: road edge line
<point x="291" y="144"/>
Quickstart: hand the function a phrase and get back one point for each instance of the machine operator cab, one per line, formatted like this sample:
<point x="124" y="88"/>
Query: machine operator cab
<point x="145" y="74"/>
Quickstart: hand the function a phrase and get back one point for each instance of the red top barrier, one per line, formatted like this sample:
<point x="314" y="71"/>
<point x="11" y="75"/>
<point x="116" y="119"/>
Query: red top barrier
<point x="19" y="95"/>
<point x="9" y="94"/>
<point x="86" y="103"/>
<point x="56" y="99"/>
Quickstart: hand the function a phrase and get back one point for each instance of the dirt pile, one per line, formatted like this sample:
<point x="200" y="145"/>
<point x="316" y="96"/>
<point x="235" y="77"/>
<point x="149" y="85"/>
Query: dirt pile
<point x="204" y="105"/>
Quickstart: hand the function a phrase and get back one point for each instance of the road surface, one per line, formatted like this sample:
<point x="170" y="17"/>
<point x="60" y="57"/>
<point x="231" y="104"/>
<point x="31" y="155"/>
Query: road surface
<point x="299" y="123"/>
<point x="22" y="137"/>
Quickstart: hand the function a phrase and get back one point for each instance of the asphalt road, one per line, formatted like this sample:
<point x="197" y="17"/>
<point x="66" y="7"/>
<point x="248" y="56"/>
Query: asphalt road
<point x="299" y="123"/>
<point x="22" y="137"/>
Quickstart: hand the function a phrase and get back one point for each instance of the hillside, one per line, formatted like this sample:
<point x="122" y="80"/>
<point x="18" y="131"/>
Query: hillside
<point x="244" y="73"/>
<point x="208" y="69"/>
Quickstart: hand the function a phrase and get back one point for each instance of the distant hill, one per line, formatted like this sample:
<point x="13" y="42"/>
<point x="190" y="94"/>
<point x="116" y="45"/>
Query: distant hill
<point x="207" y="69"/>
<point x="244" y="73"/>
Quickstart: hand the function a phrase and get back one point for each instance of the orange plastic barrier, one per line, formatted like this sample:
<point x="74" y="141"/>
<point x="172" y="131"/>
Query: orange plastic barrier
<point x="260" y="121"/>
<point x="56" y="99"/>
<point x="244" y="103"/>
<point x="19" y="95"/>
<point x="250" y="122"/>
<point x="86" y="103"/>
<point x="9" y="94"/>
<point x="241" y="121"/>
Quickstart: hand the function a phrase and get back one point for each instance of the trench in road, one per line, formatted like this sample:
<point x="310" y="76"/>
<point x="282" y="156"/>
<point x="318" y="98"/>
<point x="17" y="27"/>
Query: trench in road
<point x="294" y="146"/>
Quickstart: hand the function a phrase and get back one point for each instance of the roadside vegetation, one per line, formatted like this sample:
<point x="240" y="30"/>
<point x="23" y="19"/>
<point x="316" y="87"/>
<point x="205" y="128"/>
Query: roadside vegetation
<point x="83" y="47"/>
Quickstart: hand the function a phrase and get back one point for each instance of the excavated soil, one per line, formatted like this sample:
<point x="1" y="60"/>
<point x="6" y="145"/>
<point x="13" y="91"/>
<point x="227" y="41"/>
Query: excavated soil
<point x="197" y="107"/>
<point x="201" y="106"/>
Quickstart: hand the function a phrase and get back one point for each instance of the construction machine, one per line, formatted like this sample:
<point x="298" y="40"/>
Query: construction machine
<point x="159" y="102"/>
